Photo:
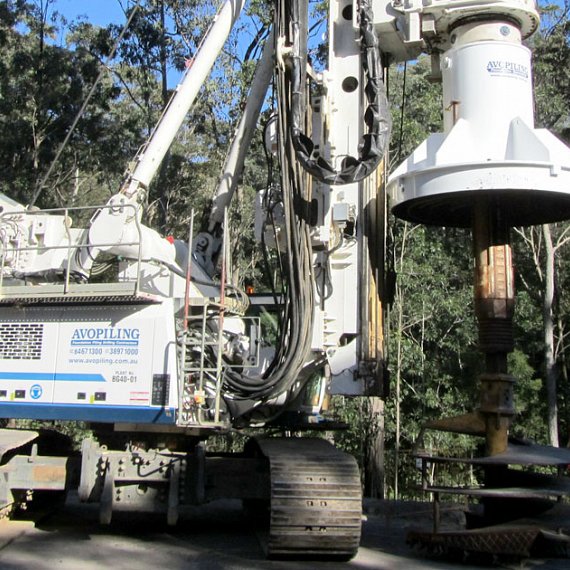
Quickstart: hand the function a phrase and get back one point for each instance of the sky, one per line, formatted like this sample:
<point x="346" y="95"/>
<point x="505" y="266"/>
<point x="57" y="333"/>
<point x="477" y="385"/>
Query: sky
<point x="98" y="12"/>
<point x="103" y="12"/>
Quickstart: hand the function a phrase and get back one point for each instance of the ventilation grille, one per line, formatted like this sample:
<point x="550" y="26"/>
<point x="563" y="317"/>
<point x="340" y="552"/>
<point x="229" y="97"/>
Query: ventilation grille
<point x="21" y="341"/>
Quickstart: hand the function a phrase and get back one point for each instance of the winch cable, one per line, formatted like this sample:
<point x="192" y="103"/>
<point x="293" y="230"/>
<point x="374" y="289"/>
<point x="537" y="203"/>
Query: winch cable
<point x="376" y="116"/>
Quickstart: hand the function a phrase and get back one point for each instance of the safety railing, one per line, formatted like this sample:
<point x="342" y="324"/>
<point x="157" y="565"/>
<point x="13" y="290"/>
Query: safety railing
<point x="72" y="246"/>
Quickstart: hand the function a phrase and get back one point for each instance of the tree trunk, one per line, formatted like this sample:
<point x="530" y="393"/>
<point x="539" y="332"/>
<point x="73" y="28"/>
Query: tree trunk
<point x="374" y="469"/>
<point x="398" y="383"/>
<point x="399" y="303"/>
<point x="565" y="382"/>
<point x="548" y="321"/>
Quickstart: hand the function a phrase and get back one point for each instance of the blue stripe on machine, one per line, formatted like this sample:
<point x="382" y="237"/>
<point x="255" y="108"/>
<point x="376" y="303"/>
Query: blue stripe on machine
<point x="79" y="377"/>
<point x="88" y="413"/>
<point x="32" y="376"/>
<point x="50" y="376"/>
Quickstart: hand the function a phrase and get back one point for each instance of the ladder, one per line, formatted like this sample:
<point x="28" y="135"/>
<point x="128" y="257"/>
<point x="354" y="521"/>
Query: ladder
<point x="200" y="355"/>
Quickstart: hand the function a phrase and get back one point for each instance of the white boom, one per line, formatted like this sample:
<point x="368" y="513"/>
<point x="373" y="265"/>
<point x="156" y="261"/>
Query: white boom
<point x="176" y="111"/>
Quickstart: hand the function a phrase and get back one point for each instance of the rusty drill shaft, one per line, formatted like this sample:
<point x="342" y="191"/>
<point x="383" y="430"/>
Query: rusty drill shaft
<point x="494" y="309"/>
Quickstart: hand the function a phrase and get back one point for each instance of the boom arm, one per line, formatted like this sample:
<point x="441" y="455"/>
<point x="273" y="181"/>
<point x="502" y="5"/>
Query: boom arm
<point x="208" y="242"/>
<point x="114" y="219"/>
<point x="149" y="160"/>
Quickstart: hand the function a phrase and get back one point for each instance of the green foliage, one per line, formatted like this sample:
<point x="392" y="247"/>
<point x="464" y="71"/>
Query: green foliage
<point x="75" y="431"/>
<point x="530" y="259"/>
<point x="42" y="86"/>
<point x="432" y="329"/>
<point x="416" y="105"/>
<point x="529" y="402"/>
<point x="354" y="413"/>
<point x="551" y="67"/>
<point x="551" y="64"/>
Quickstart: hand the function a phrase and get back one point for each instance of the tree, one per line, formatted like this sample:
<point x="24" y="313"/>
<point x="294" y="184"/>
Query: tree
<point x="431" y="330"/>
<point x="551" y="62"/>
<point x="543" y="283"/>
<point x="41" y="89"/>
<point x="433" y="339"/>
<point x="551" y="69"/>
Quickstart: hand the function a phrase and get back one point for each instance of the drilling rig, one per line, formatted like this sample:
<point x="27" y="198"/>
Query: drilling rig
<point x="490" y="170"/>
<point x="146" y="340"/>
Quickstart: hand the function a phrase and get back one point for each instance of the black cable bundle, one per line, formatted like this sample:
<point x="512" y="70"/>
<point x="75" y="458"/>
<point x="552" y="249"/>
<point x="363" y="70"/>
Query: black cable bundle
<point x="294" y="345"/>
<point x="290" y="367"/>
<point x="376" y="116"/>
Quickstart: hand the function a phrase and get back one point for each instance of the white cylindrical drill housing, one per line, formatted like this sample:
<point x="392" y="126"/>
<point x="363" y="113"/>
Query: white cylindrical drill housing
<point x="487" y="81"/>
<point x="489" y="146"/>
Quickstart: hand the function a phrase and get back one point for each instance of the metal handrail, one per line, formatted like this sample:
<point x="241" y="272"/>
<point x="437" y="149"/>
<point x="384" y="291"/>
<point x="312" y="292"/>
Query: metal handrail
<point x="71" y="247"/>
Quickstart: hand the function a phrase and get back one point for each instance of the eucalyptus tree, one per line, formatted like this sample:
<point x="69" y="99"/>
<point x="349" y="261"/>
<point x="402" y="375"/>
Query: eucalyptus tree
<point x="42" y="87"/>
<point x="545" y="246"/>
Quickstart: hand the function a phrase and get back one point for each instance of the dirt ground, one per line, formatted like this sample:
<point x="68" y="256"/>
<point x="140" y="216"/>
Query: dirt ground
<point x="217" y="536"/>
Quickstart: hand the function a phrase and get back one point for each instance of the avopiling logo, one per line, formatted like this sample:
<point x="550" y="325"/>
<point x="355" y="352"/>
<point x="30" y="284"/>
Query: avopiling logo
<point x="506" y="68"/>
<point x="108" y="336"/>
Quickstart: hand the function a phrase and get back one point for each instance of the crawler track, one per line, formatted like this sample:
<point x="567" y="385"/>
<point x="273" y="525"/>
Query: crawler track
<point x="316" y="499"/>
